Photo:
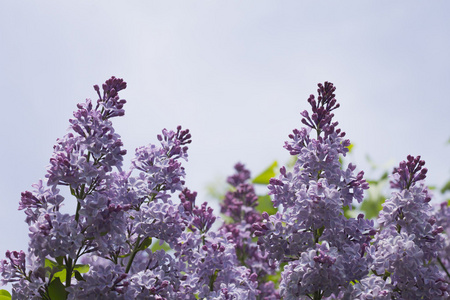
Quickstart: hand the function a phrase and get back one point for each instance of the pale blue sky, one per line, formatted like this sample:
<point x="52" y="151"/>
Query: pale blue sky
<point x="236" y="73"/>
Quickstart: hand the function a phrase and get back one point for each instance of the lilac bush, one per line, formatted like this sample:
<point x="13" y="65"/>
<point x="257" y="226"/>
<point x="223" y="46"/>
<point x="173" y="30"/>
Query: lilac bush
<point x="140" y="234"/>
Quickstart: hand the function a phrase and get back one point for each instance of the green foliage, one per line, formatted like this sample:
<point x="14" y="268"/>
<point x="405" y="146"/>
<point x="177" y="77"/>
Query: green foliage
<point x="265" y="204"/>
<point x="5" y="295"/>
<point x="58" y="272"/>
<point x="276" y="278"/>
<point x="53" y="267"/>
<point x="349" y="213"/>
<point x="446" y="187"/>
<point x="372" y="205"/>
<point x="264" y="201"/>
<point x="265" y="176"/>
<point x="81" y="269"/>
<point x="57" y="290"/>
<point x="145" y="244"/>
<point x="157" y="246"/>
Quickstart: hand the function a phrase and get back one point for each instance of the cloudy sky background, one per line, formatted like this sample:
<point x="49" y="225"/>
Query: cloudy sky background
<point x="236" y="73"/>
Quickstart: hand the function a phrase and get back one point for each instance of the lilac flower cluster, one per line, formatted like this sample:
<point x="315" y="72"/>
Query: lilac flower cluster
<point x="322" y="250"/>
<point x="405" y="251"/>
<point x="240" y="206"/>
<point x="139" y="233"/>
<point x="108" y="249"/>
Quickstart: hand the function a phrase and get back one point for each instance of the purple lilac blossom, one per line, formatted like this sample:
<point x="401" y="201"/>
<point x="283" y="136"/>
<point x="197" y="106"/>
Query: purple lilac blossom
<point x="311" y="199"/>
<point x="32" y="288"/>
<point x="157" y="275"/>
<point x="12" y="270"/>
<point x="105" y="282"/>
<point x="26" y="284"/>
<point x="102" y="220"/>
<point x="239" y="205"/>
<point x="405" y="249"/>
<point x="160" y="166"/>
<point x="86" y="157"/>
<point x="371" y="288"/>
<point x="319" y="271"/>
<point x="84" y="160"/>
<point x="321" y="253"/>
<point x="443" y="220"/>
<point x="42" y="199"/>
<point x="212" y="268"/>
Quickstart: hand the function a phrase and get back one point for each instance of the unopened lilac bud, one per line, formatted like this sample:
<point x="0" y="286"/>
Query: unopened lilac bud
<point x="274" y="181"/>
<point x="164" y="284"/>
<point x="438" y="230"/>
<point x="256" y="226"/>
<point x="432" y="220"/>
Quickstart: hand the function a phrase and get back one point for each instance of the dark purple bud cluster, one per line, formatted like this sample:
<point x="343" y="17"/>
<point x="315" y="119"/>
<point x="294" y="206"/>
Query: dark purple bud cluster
<point x="13" y="267"/>
<point x="110" y="102"/>
<point x="241" y="175"/>
<point x="172" y="142"/>
<point x="408" y="173"/>
<point x="240" y="205"/>
<point x="201" y="218"/>
<point x="321" y="117"/>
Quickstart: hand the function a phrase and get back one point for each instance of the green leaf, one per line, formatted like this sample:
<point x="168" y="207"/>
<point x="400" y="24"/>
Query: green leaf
<point x="275" y="278"/>
<point x="81" y="268"/>
<point x="57" y="290"/>
<point x="53" y="268"/>
<point x="446" y="187"/>
<point x="78" y="276"/>
<point x="157" y="246"/>
<point x="372" y="207"/>
<point x="5" y="295"/>
<point x="349" y="213"/>
<point x="50" y="263"/>
<point x="265" y="176"/>
<point x="321" y="230"/>
<point x="384" y="176"/>
<point x="145" y="244"/>
<point x="265" y="204"/>
<point x="63" y="273"/>
<point x="60" y="260"/>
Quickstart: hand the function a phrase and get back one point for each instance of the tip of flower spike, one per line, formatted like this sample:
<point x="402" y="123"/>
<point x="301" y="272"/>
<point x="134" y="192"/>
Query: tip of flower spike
<point x="114" y="83"/>
<point x="112" y="105"/>
<point x="408" y="173"/>
<point x="321" y="116"/>
<point x="241" y="175"/>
